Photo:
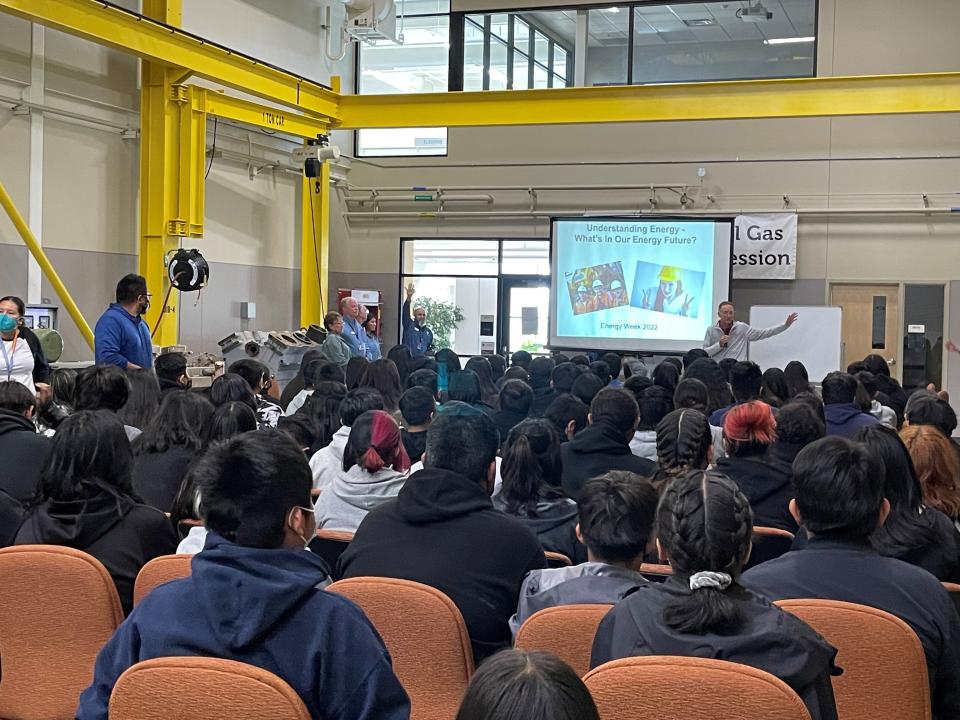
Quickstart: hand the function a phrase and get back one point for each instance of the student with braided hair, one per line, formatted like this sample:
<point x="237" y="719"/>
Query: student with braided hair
<point x="684" y="442"/>
<point x="703" y="528"/>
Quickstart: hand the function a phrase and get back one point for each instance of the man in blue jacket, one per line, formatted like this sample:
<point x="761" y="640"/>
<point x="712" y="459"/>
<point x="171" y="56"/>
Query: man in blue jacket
<point x="353" y="332"/>
<point x="256" y="595"/>
<point x="844" y="417"/>
<point x="416" y="335"/>
<point x="121" y="337"/>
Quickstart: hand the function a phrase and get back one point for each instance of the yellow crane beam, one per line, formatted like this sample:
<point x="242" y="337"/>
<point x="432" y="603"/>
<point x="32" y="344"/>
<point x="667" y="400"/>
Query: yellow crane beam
<point x="742" y="99"/>
<point x="263" y="116"/>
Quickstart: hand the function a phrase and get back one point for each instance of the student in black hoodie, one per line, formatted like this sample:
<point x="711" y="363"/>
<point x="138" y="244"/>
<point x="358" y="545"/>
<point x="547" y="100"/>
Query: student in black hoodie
<point x="171" y="370"/>
<point x="704" y="527"/>
<point x="442" y="530"/>
<point x="516" y="399"/>
<point x="88" y="502"/>
<point x="605" y="443"/>
<point x="568" y="415"/>
<point x="417" y="406"/>
<point x="531" y="490"/>
<point x="797" y="426"/>
<point x="22" y="449"/>
<point x="541" y="374"/>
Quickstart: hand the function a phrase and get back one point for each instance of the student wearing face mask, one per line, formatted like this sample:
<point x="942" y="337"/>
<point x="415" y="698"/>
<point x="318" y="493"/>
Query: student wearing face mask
<point x="122" y="337"/>
<point x="21" y="356"/>
<point x="255" y="595"/>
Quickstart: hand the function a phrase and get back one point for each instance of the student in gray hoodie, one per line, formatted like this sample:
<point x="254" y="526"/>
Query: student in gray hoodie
<point x="616" y="512"/>
<point x="375" y="467"/>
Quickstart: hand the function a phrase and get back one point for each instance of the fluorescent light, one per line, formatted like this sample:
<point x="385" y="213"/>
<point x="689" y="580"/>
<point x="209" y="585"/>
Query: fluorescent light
<point x="788" y="40"/>
<point x="611" y="9"/>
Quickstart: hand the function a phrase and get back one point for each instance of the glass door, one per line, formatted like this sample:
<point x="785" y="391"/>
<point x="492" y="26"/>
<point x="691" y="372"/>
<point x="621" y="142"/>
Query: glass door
<point x="525" y="313"/>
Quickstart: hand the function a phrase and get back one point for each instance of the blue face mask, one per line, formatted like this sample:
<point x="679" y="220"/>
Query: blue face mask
<point x="8" y="323"/>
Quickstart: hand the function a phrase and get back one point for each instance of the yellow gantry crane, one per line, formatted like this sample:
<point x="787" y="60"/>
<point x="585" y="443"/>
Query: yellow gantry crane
<point x="174" y="114"/>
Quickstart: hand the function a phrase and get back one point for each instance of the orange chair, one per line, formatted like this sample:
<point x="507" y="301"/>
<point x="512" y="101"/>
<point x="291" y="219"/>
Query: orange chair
<point x="954" y="591"/>
<point x="426" y="637"/>
<point x="58" y="607"/>
<point x="768" y="543"/>
<point x="884" y="667"/>
<point x="657" y="571"/>
<point x="159" y="571"/>
<point x="567" y="631"/>
<point x="330" y="544"/>
<point x="557" y="560"/>
<point x="202" y="689"/>
<point x="683" y="688"/>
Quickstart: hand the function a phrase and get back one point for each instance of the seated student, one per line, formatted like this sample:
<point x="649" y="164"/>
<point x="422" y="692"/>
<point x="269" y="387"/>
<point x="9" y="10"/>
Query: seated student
<point x="704" y="527"/>
<point x="881" y="412"/>
<point x="442" y="530"/>
<point x="424" y="378"/>
<point x="144" y="399"/>
<point x="692" y="355"/>
<point x="615" y="363"/>
<point x="531" y="489"/>
<point x="88" y="501"/>
<point x="256" y="596"/>
<point x="418" y="406"/>
<point x="301" y="429"/>
<point x="616" y="513"/>
<point x="938" y="469"/>
<point x="666" y="375"/>
<point x="838" y="486"/>
<point x="798" y="380"/>
<point x="514" y="373"/>
<point x="322" y="409"/>
<point x="709" y="372"/>
<point x="895" y="395"/>
<point x="568" y="415"/>
<point x="104" y="387"/>
<point x="311" y="376"/>
<point x="654" y="403"/>
<point x="22" y="449"/>
<point x="327" y="462"/>
<point x="774" y="391"/>
<point x="480" y="366"/>
<point x="797" y="426"/>
<point x="529" y="685"/>
<point x="844" y="417"/>
<point x="541" y="372"/>
<point x="926" y="408"/>
<point x="257" y="377"/>
<point x="693" y="394"/>
<point x="171" y="370"/>
<point x="684" y="442"/>
<point x="586" y="387"/>
<point x="913" y="532"/>
<point x="465" y="388"/>
<point x="375" y="467"/>
<point x="169" y="443"/>
<point x="563" y="375"/>
<point x="605" y="443"/>
<point x="516" y="401"/>
<point x="749" y="431"/>
<point x="746" y="383"/>
<point x="521" y="358"/>
<point x="294" y="386"/>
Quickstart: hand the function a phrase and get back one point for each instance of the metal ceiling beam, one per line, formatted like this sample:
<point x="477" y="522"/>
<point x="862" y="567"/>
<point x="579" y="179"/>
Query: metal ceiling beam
<point x="158" y="42"/>
<point x="744" y="99"/>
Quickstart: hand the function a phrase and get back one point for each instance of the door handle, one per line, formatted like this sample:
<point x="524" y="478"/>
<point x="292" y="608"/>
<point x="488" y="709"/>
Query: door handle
<point x="892" y="361"/>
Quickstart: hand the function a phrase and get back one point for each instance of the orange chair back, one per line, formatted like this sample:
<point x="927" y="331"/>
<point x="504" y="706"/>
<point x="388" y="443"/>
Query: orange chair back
<point x="567" y="631"/>
<point x="58" y="607"/>
<point x="683" y="688"/>
<point x="158" y="571"/>
<point x="557" y="560"/>
<point x="656" y="570"/>
<point x="202" y="689"/>
<point x="426" y="637"/>
<point x="884" y="667"/>
<point x="769" y="543"/>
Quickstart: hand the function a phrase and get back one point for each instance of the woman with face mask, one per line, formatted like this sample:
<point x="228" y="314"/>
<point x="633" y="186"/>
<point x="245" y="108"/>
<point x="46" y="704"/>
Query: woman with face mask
<point x="21" y="357"/>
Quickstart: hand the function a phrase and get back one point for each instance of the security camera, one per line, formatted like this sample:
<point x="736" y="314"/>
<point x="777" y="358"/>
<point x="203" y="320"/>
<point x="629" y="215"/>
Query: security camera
<point x="314" y="154"/>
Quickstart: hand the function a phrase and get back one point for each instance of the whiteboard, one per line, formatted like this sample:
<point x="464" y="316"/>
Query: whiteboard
<point x="814" y="339"/>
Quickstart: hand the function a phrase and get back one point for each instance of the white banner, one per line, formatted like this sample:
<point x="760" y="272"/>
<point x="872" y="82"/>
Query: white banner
<point x="765" y="247"/>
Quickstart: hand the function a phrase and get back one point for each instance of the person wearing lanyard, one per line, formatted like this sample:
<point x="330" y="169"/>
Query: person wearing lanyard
<point x="16" y="355"/>
<point x="416" y="335"/>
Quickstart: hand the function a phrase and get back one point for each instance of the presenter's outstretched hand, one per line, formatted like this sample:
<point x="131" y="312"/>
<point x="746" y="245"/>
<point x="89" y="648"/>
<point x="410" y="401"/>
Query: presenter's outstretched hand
<point x="791" y="319"/>
<point x="410" y="291"/>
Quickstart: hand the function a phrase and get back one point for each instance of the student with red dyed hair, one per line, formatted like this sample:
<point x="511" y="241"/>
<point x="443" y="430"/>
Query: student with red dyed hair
<point x="749" y="430"/>
<point x="375" y="467"/>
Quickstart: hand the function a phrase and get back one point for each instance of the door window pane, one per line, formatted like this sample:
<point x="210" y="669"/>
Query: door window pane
<point x="922" y="348"/>
<point x="451" y="257"/>
<point x="528" y="317"/>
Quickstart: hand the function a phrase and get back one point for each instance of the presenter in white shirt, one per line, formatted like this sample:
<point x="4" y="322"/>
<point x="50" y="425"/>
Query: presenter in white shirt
<point x="731" y="339"/>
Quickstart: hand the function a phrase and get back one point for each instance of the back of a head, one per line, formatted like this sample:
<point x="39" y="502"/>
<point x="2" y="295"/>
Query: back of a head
<point x="521" y="358"/>
<point x="675" y="361"/>
<point x="358" y="401"/>
<point x="615" y="407"/>
<point x="170" y="366"/>
<point x="498" y="364"/>
<point x="417" y="405"/>
<point x="683" y="441"/>
<point x="709" y="372"/>
<point x="130" y="287"/>
<point x="653" y="405"/>
<point x="89" y="447"/>
<point x="231" y="388"/>
<point x="869" y="382"/>
<point x="448" y="357"/>
<point x="375" y="443"/>
<point x="531" y="467"/>
<point x="812" y="401"/>
<point x="926" y="408"/>
<point x="517" y="373"/>
<point x="798" y="380"/>
<point x="15" y="398"/>
<point x="876" y="364"/>
<point x="300" y="428"/>
<point x="564" y="375"/>
<point x="581" y="360"/>
<point x="749" y="429"/>
<point x="516" y="396"/>
<point x="356" y="367"/>
<point x="102" y="387"/>
<point x="311" y="373"/>
<point x="746" y="381"/>
<point x="666" y="376"/>
<point x="143" y="401"/>
<point x="774" y="389"/>
<point x="799" y="425"/>
<point x="402" y="358"/>
<point x="633" y="366"/>
<point x="704" y="524"/>
<point x="727" y="365"/>
<point x="64" y="385"/>
<point x="462" y="440"/>
<point x="424" y="378"/>
<point x="519" y="685"/>
<point x="935" y="460"/>
<point x="179" y="422"/>
<point x="481" y="366"/>
<point x="464" y="386"/>
<point x="838" y="488"/>
<point x="564" y="409"/>
<point x="586" y="387"/>
<point x="249" y="483"/>
<point x="613" y="362"/>
<point x="838" y="388"/>
<point x="692" y="355"/>
<point x="636" y="384"/>
<point x="616" y="512"/>
<point x="252" y="371"/>
<point x="602" y="371"/>
<point x="540" y="371"/>
<point x="382" y="375"/>
<point x="229" y="419"/>
<point x="691" y="393"/>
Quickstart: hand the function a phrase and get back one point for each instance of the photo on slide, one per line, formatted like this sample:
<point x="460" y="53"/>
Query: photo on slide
<point x="668" y="289"/>
<point x="598" y="287"/>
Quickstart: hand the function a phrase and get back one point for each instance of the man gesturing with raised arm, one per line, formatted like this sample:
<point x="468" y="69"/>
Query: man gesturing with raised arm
<point x="731" y="339"/>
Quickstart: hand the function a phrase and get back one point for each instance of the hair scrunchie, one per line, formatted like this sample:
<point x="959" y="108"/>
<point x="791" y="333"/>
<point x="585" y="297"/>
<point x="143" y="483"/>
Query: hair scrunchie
<point x="710" y="579"/>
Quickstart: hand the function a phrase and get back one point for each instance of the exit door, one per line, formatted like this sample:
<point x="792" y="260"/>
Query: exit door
<point x="525" y="314"/>
<point x="871" y="322"/>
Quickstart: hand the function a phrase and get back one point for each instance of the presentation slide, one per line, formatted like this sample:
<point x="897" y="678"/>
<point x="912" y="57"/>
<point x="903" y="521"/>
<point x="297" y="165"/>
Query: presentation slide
<point x="634" y="284"/>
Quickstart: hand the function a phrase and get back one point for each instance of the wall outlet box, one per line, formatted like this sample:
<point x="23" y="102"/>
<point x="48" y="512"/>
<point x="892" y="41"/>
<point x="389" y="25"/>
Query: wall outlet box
<point x="248" y="311"/>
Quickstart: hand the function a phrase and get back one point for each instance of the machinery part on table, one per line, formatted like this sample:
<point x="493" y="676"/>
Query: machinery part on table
<point x="279" y="350"/>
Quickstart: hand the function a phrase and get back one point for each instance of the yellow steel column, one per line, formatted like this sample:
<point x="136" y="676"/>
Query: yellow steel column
<point x="314" y="246"/>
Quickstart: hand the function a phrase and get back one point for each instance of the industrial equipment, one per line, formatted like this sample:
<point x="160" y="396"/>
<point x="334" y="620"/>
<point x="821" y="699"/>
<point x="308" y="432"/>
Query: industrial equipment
<point x="280" y="350"/>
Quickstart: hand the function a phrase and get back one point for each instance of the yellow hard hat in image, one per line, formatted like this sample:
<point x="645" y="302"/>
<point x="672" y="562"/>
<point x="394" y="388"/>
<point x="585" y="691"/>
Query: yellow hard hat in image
<point x="669" y="274"/>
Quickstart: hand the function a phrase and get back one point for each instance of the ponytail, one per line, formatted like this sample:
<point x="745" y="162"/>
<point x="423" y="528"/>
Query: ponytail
<point x="531" y="467"/>
<point x="705" y="524"/>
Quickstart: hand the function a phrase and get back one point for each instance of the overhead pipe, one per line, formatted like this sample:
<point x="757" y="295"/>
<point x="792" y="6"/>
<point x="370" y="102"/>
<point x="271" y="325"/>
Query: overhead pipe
<point x="482" y="214"/>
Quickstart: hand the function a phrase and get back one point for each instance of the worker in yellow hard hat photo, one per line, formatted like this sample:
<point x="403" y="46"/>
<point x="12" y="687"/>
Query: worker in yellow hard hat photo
<point x="668" y="296"/>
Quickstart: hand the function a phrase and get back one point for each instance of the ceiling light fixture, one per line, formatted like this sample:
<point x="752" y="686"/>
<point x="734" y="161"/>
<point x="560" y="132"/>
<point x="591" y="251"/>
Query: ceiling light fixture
<point x="613" y="9"/>
<point x="788" y="40"/>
